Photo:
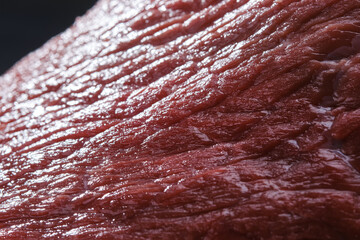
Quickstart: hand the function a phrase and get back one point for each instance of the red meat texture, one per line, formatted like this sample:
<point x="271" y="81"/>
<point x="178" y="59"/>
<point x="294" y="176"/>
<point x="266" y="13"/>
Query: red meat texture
<point x="187" y="119"/>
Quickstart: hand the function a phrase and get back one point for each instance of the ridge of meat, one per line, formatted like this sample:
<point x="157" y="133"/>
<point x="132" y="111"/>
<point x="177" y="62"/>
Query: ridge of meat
<point x="187" y="119"/>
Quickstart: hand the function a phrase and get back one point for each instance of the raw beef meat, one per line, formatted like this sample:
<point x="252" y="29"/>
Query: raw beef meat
<point x="187" y="119"/>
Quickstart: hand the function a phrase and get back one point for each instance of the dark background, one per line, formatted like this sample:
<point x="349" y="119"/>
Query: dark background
<point x="26" y="25"/>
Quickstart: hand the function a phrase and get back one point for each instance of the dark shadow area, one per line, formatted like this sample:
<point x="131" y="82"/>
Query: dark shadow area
<point x="25" y="25"/>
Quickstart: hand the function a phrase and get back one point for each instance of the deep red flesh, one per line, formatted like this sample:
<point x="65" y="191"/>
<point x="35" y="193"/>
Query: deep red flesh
<point x="187" y="120"/>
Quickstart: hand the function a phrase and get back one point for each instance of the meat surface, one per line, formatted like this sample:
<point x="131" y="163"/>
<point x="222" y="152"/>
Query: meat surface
<point x="187" y="119"/>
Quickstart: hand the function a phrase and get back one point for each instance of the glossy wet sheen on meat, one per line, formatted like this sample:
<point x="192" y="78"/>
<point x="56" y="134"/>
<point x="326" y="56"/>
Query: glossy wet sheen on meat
<point x="187" y="119"/>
